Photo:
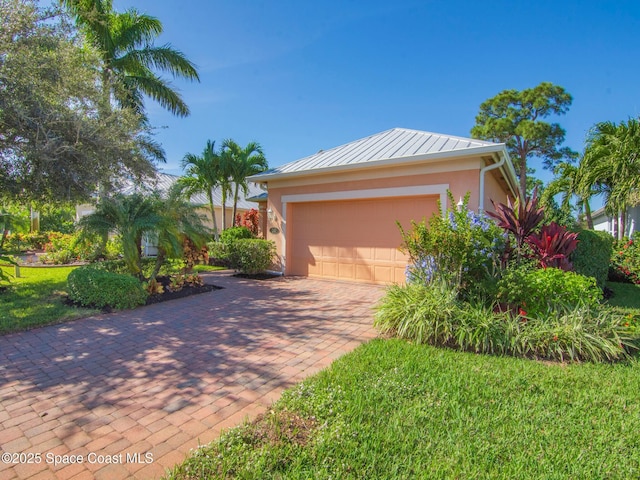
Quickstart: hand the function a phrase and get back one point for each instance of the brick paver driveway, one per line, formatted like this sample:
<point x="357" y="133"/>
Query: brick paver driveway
<point x="144" y="387"/>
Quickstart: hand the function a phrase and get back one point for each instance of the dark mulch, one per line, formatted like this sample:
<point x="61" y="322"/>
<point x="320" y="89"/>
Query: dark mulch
<point x="258" y="276"/>
<point x="184" y="292"/>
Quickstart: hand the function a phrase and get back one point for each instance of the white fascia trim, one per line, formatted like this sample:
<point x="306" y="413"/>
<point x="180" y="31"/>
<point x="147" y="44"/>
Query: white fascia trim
<point x="440" y="189"/>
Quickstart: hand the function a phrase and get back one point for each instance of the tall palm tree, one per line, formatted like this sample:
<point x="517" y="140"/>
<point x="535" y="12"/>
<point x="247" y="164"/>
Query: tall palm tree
<point x="611" y="164"/>
<point x="130" y="216"/>
<point x="245" y="162"/>
<point x="203" y="173"/>
<point x="129" y="58"/>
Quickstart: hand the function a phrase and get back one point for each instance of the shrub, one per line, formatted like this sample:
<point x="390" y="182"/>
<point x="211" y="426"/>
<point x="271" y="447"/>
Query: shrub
<point x="459" y="245"/>
<point x="249" y="219"/>
<point x="542" y="292"/>
<point x="252" y="255"/>
<point x="625" y="261"/>
<point x="593" y="254"/>
<point x="418" y="312"/>
<point x="232" y="234"/>
<point x="93" y="287"/>
<point x="553" y="245"/>
<point x="431" y="314"/>
<point x="218" y="254"/>
<point x="169" y="267"/>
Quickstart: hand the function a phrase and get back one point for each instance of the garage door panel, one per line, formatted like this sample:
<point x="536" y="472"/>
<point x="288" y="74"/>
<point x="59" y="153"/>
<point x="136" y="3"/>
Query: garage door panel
<point x="352" y="240"/>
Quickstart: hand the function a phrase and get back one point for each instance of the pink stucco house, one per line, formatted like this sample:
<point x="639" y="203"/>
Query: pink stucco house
<point x="333" y="214"/>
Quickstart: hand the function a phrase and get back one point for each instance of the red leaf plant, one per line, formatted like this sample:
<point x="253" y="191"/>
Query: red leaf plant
<point x="553" y="245"/>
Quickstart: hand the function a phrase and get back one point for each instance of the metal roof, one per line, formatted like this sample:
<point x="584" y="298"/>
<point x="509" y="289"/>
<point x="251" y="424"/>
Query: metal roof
<point x="390" y="145"/>
<point x="164" y="181"/>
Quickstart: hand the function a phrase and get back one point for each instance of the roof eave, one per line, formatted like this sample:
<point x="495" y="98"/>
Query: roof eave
<point x="399" y="161"/>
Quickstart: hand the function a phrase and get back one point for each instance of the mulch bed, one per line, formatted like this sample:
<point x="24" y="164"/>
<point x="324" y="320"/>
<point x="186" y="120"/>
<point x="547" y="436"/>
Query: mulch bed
<point x="258" y="276"/>
<point x="186" y="291"/>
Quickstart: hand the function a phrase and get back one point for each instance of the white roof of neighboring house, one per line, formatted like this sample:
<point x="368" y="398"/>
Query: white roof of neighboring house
<point x="390" y="146"/>
<point x="163" y="182"/>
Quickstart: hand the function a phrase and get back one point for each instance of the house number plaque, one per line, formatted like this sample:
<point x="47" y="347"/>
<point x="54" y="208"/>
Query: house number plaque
<point x="274" y="230"/>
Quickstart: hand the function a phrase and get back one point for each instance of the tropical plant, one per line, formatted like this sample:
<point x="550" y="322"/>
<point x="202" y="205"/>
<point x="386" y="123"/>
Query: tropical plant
<point x="553" y="245"/>
<point x="131" y="217"/>
<point x="566" y="182"/>
<point x="520" y="219"/>
<point x="203" y="174"/>
<point x="244" y="162"/>
<point x="124" y="41"/>
<point x="625" y="261"/>
<point x="611" y="165"/>
<point x="251" y="255"/>
<point x="249" y="219"/>
<point x="179" y="225"/>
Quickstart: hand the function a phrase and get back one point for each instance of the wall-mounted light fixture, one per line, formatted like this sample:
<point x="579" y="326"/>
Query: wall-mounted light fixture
<point x="271" y="215"/>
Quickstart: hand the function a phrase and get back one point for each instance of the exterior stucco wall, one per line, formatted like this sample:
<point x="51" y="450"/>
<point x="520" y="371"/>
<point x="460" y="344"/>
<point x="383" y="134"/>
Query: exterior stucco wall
<point x="494" y="191"/>
<point x="459" y="182"/>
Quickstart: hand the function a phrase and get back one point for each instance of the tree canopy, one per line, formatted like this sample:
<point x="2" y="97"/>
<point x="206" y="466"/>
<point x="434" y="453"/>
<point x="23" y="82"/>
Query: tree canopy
<point x="124" y="42"/>
<point x="516" y="118"/>
<point x="54" y="144"/>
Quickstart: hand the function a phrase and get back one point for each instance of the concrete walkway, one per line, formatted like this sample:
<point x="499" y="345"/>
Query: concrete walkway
<point x="143" y="387"/>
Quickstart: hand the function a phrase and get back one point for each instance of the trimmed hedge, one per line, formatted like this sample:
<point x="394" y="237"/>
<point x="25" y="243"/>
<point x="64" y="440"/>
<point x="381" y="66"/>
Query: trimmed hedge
<point x="232" y="234"/>
<point x="93" y="287"/>
<point x="593" y="254"/>
<point x="251" y="255"/>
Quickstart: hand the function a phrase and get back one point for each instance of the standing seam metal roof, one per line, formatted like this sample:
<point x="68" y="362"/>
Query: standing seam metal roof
<point x="387" y="145"/>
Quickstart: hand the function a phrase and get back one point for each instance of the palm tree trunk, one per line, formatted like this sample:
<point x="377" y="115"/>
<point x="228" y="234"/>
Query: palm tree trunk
<point x="623" y="223"/>
<point x="224" y="207"/>
<point x="587" y="213"/>
<point x="235" y="202"/>
<point x="213" y="215"/>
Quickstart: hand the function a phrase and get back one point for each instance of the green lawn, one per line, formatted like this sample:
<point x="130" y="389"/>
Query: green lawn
<point x="391" y="409"/>
<point x="626" y="295"/>
<point x="36" y="298"/>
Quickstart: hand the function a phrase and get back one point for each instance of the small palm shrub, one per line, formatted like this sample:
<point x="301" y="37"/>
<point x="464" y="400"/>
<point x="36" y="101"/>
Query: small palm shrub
<point x="593" y="254"/>
<point x="93" y="287"/>
<point x="541" y="292"/>
<point x="251" y="255"/>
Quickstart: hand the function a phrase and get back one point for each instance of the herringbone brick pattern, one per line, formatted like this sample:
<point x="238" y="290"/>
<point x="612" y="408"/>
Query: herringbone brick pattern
<point x="155" y="382"/>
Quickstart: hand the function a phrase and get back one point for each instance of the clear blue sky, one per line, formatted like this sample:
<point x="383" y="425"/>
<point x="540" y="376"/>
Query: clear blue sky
<point x="300" y="76"/>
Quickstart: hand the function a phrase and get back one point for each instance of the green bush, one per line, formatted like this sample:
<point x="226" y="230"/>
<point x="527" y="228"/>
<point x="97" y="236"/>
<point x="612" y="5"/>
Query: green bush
<point x="218" y="254"/>
<point x="252" y="255"/>
<point x="544" y="291"/>
<point x="169" y="267"/>
<point x="625" y="261"/>
<point x="593" y="254"/>
<point x="431" y="314"/>
<point x="232" y="234"/>
<point x="93" y="287"/>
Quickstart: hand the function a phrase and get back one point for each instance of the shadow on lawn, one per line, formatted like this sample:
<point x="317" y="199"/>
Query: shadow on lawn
<point x="166" y="356"/>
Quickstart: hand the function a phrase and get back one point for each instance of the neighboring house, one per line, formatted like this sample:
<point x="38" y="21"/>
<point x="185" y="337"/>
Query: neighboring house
<point x="606" y="223"/>
<point x="333" y="214"/>
<point x="163" y="182"/>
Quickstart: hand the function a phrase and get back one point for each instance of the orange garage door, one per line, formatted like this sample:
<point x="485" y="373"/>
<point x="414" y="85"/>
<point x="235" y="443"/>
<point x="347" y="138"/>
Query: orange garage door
<point x="354" y="239"/>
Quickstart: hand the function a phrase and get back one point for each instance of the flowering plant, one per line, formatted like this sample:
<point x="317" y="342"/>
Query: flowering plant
<point x="463" y="247"/>
<point x="625" y="262"/>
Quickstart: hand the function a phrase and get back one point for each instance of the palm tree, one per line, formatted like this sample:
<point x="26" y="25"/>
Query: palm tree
<point x="203" y="174"/>
<point x="611" y="165"/>
<point x="125" y="44"/>
<point x="566" y="183"/>
<point x="178" y="221"/>
<point x="245" y="162"/>
<point x="130" y="216"/>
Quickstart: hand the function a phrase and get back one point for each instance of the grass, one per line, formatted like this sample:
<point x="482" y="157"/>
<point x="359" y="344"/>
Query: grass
<point x="625" y="295"/>
<point x="392" y="409"/>
<point x="36" y="298"/>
